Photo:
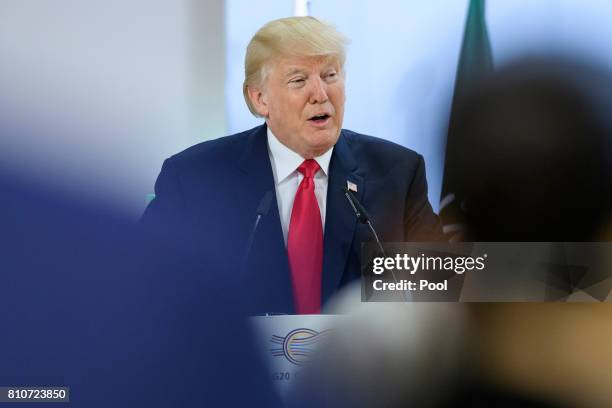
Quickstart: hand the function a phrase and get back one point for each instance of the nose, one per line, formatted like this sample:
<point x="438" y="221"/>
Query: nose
<point x="318" y="94"/>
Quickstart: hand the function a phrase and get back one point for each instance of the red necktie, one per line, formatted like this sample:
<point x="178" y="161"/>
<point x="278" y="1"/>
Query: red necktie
<point x="305" y="243"/>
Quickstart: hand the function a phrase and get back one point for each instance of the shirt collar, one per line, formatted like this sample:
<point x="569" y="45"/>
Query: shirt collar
<point x="286" y="161"/>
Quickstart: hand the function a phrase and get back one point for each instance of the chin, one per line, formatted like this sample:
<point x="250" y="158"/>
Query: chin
<point x="321" y="141"/>
<point x="322" y="148"/>
<point x="327" y="137"/>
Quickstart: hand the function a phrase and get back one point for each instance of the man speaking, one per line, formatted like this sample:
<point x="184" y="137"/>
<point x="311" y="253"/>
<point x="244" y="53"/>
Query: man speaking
<point x="266" y="208"/>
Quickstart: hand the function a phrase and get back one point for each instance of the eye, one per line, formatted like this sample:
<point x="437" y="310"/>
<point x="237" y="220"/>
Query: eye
<point x="297" y="81"/>
<point x="330" y="76"/>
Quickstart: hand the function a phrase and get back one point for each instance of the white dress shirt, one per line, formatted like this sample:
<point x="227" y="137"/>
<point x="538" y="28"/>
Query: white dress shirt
<point x="287" y="179"/>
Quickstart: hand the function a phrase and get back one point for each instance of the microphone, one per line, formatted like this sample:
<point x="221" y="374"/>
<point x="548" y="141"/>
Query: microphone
<point x="364" y="218"/>
<point x="264" y="206"/>
<point x="262" y="211"/>
<point x="362" y="215"/>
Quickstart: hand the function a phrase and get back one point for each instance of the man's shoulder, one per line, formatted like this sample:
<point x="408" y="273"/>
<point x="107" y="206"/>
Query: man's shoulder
<point x="215" y="151"/>
<point x="365" y="146"/>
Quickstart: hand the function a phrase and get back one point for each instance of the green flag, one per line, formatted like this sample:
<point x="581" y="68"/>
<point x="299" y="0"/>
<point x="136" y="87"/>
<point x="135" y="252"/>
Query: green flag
<point x="475" y="63"/>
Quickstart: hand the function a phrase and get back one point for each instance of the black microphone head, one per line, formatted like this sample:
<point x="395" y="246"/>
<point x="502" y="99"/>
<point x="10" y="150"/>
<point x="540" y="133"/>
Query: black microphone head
<point x="360" y="212"/>
<point x="264" y="204"/>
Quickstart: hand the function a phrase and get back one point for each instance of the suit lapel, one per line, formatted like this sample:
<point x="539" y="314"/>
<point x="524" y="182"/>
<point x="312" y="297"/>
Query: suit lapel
<point x="340" y="220"/>
<point x="268" y="255"/>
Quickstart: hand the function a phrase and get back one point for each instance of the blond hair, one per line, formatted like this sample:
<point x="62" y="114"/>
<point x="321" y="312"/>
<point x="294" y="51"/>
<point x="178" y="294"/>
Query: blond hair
<point x="289" y="37"/>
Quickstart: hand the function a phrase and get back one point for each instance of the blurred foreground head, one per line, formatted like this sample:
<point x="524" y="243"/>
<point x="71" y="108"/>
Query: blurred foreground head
<point x="536" y="152"/>
<point x="92" y="304"/>
<point x="536" y="138"/>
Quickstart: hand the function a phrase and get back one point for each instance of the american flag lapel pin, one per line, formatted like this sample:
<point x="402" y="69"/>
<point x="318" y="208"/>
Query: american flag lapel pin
<point x="351" y="186"/>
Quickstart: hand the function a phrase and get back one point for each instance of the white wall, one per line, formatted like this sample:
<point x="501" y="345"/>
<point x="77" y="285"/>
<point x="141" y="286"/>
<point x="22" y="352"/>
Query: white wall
<point x="102" y="91"/>
<point x="582" y="28"/>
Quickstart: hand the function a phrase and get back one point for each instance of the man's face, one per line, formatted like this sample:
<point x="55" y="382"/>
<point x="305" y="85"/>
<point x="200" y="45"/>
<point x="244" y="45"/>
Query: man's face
<point x="302" y="100"/>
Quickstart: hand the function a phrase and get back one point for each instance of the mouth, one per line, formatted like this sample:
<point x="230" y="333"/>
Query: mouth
<point x="320" y="119"/>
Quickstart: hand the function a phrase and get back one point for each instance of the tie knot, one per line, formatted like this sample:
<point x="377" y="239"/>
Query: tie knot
<point x="309" y="168"/>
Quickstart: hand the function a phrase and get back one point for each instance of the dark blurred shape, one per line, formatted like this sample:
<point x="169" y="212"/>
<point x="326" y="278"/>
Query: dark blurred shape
<point x="87" y="302"/>
<point x="537" y="167"/>
<point x="492" y="396"/>
<point x="537" y="155"/>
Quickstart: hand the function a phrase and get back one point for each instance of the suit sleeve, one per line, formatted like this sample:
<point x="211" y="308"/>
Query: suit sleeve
<point x="420" y="222"/>
<point x="167" y="208"/>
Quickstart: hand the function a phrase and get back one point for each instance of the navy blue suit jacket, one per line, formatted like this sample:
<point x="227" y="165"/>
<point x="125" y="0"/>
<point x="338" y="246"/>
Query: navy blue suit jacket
<point x="207" y="197"/>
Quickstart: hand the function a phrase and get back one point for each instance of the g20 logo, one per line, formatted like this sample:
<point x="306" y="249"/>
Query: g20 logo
<point x="298" y="345"/>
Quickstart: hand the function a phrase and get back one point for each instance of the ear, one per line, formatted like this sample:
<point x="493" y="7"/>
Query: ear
<point x="259" y="100"/>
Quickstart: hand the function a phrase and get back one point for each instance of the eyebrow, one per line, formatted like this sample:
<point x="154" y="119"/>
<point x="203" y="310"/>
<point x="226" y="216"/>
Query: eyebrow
<point x="298" y="70"/>
<point x="293" y="71"/>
